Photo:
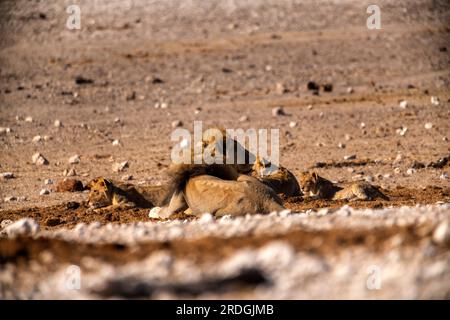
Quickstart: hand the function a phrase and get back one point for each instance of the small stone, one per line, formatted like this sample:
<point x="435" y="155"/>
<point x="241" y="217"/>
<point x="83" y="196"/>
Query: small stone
<point x="21" y="199"/>
<point x="39" y="160"/>
<point x="4" y="130"/>
<point x="278" y="111"/>
<point x="197" y="110"/>
<point x="313" y="86"/>
<point x="327" y="87"/>
<point x="117" y="120"/>
<point x="164" y="105"/>
<point x="268" y="67"/>
<point x="280" y="88"/>
<point x="157" y="105"/>
<point x="348" y="137"/>
<point x="428" y="125"/>
<point x="5" y="223"/>
<point x="444" y="139"/>
<point x="321" y="115"/>
<point x="19" y="118"/>
<point x="410" y="171"/>
<point x="28" y="119"/>
<point x="444" y="176"/>
<point x="74" y="159"/>
<point x="350" y="90"/>
<point x="341" y="145"/>
<point x="69" y="172"/>
<point x="401" y="131"/>
<point x="177" y="124"/>
<point x="387" y="176"/>
<point x="350" y="157"/>
<point x="403" y="104"/>
<point x="69" y="185"/>
<point x="309" y="107"/>
<point x="243" y="119"/>
<point x="435" y="101"/>
<point x="7" y="175"/>
<point x="36" y="139"/>
<point x="397" y="170"/>
<point x="362" y="125"/>
<point x="10" y="199"/>
<point x="116" y="143"/>
<point x="44" y="192"/>
<point x="22" y="227"/>
<point x="119" y="167"/>
<point x="48" y="181"/>
<point x="292" y="124"/>
<point x="57" y="124"/>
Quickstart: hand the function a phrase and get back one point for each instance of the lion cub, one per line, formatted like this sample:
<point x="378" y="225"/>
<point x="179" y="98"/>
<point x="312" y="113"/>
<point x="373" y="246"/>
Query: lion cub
<point x="315" y="185"/>
<point x="280" y="179"/>
<point x="105" y="194"/>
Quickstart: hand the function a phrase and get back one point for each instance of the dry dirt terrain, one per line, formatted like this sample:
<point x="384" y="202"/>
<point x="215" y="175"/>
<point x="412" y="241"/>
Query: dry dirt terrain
<point x="111" y="91"/>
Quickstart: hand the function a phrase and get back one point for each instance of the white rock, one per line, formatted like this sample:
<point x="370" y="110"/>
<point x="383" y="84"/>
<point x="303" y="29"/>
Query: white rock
<point x="177" y="123"/>
<point x="321" y="115"/>
<point x="280" y="88"/>
<point x="350" y="157"/>
<point x="157" y="105"/>
<point x="69" y="172"/>
<point x="39" y="159"/>
<point x="7" y="175"/>
<point x="48" y="181"/>
<point x="348" y="137"/>
<point x="428" y="125"/>
<point x="44" y="192"/>
<point x="397" y="170"/>
<point x="401" y="131"/>
<point x="278" y="111"/>
<point x="197" y="110"/>
<point x="37" y="139"/>
<point x="164" y="105"/>
<point x="74" y="159"/>
<point x="154" y="213"/>
<point x="117" y="120"/>
<point x="28" y="119"/>
<point x="116" y="143"/>
<point x="350" y="90"/>
<point x="441" y="234"/>
<point x="444" y="176"/>
<point x="362" y="125"/>
<point x="292" y="124"/>
<point x="309" y="107"/>
<point x="4" y="130"/>
<point x="411" y="171"/>
<point x="403" y="104"/>
<point x="435" y="101"/>
<point x="57" y="124"/>
<point x="243" y="119"/>
<point x="22" y="227"/>
<point x="10" y="199"/>
<point x="341" y="145"/>
<point x="119" y="167"/>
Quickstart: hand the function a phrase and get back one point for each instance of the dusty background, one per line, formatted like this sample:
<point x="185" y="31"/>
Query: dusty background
<point x="226" y="59"/>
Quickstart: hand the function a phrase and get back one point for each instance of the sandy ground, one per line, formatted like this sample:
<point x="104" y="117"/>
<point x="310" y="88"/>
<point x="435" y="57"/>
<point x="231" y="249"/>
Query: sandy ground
<point x="227" y="59"/>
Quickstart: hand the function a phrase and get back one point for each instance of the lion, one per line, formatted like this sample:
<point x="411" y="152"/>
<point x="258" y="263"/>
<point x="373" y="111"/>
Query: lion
<point x="280" y="179"/>
<point x="219" y="190"/>
<point x="105" y="195"/>
<point x="316" y="186"/>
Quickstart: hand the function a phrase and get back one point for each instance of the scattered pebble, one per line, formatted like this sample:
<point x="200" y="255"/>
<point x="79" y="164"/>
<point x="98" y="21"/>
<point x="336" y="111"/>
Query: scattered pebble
<point x="444" y="176"/>
<point x="350" y="157"/>
<point x="69" y="172"/>
<point x="403" y="104"/>
<point x="362" y="125"/>
<point x="243" y="119"/>
<point x="435" y="101"/>
<point x="401" y="131"/>
<point x="28" y="119"/>
<point x="280" y="88"/>
<point x="350" y="90"/>
<point x="278" y="111"/>
<point x="57" y="124"/>
<point x="348" y="137"/>
<point x="397" y="170"/>
<point x="39" y="160"/>
<point x="292" y="124"/>
<point x="117" y="120"/>
<point x="197" y="110"/>
<point x="341" y="145"/>
<point x="321" y="115"/>
<point x="7" y="175"/>
<point x="10" y="199"/>
<point x="22" y="227"/>
<point x="36" y="139"/>
<point x="428" y="125"/>
<point x="116" y="143"/>
<point x="177" y="123"/>
<point x="74" y="159"/>
<point x="69" y="185"/>
<point x="309" y="107"/>
<point x="411" y="171"/>
<point x="44" y="192"/>
<point x="119" y="167"/>
<point x="4" y="130"/>
<point x="48" y="181"/>
<point x="154" y="213"/>
<point x="164" y="105"/>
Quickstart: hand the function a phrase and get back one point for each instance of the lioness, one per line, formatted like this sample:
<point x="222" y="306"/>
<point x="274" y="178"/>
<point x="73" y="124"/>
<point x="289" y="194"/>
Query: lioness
<point x="219" y="190"/>
<point x="280" y="179"/>
<point x="104" y="195"/>
<point x="314" y="185"/>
